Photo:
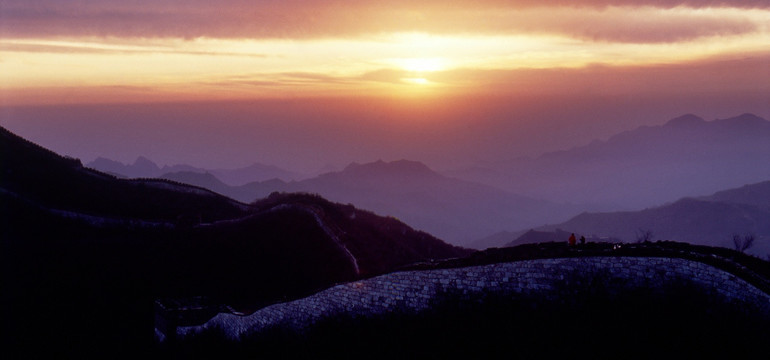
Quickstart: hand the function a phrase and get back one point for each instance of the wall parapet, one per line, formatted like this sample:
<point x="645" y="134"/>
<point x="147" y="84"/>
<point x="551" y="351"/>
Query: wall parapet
<point x="415" y="291"/>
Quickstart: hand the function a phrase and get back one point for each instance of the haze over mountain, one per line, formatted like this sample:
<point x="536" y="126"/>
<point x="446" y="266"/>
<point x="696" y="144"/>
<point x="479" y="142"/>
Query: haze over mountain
<point x="92" y="251"/>
<point x="648" y="166"/>
<point x="753" y="194"/>
<point x="508" y="94"/>
<point x="499" y="239"/>
<point x="454" y="210"/>
<point x="42" y="181"/>
<point x="708" y="220"/>
<point x="146" y="168"/>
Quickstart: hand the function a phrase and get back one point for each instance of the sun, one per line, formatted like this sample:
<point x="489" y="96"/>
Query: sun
<point x="416" y="70"/>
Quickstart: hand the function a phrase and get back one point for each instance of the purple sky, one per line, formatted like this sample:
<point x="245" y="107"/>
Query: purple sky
<point x="305" y="135"/>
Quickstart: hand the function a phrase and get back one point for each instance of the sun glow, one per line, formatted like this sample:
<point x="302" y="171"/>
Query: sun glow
<point x="68" y="68"/>
<point x="416" y="81"/>
<point x="421" y="65"/>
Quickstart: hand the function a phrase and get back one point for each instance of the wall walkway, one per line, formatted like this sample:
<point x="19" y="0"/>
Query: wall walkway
<point x="413" y="291"/>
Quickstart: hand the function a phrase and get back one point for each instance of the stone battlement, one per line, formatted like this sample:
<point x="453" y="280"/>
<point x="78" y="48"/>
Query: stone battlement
<point x="415" y="291"/>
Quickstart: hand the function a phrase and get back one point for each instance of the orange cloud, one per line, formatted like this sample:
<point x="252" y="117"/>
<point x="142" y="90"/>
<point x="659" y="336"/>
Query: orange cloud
<point x="612" y="20"/>
<point x="731" y="77"/>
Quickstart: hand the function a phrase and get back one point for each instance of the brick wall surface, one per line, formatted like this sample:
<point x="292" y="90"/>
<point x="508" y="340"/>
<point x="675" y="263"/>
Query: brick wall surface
<point x="413" y="291"/>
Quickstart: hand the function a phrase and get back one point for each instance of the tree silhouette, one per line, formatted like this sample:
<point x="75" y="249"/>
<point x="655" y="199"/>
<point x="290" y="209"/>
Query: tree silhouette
<point x="644" y="235"/>
<point x="743" y="243"/>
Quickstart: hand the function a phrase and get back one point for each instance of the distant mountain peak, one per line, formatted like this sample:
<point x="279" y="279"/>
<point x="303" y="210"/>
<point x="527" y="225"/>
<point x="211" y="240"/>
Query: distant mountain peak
<point x="748" y="116"/>
<point x="400" y="167"/>
<point x="410" y="165"/>
<point x="144" y="167"/>
<point x="203" y="175"/>
<point x="686" y="120"/>
<point x="143" y="161"/>
<point x="102" y="161"/>
<point x="746" y="119"/>
<point x="352" y="166"/>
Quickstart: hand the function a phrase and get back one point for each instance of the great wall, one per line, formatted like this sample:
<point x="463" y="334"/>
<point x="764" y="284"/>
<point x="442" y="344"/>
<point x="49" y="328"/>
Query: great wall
<point x="414" y="291"/>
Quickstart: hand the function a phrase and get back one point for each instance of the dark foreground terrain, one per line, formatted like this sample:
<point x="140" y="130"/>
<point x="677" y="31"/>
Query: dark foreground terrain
<point x="680" y="318"/>
<point x="84" y="256"/>
<point x="684" y="322"/>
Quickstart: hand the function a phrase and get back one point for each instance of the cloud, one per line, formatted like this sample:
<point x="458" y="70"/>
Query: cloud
<point x="638" y="25"/>
<point x="610" y="20"/>
<point x="746" y="75"/>
<point x="390" y="76"/>
<point x="85" y="49"/>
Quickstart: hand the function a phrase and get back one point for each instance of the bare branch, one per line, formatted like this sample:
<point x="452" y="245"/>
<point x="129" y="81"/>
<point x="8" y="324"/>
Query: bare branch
<point x="644" y="235"/>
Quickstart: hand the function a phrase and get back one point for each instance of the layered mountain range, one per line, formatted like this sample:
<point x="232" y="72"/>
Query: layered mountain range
<point x="143" y="167"/>
<point x="708" y="220"/>
<point x="91" y="250"/>
<point x="647" y="166"/>
<point x="455" y="210"/>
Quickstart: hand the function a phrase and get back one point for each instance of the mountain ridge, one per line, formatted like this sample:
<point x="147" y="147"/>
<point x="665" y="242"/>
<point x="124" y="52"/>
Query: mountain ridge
<point x="143" y="167"/>
<point x="706" y="220"/>
<point x="94" y="251"/>
<point x="646" y="166"/>
<point x="27" y="171"/>
<point x="453" y="209"/>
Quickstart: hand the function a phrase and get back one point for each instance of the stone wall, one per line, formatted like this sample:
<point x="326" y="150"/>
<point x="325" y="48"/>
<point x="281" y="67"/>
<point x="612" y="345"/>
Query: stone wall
<point x="413" y="291"/>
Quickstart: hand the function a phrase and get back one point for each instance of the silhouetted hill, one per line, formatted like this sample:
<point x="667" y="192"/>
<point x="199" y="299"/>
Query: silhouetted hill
<point x="85" y="254"/>
<point x="454" y="210"/>
<point x="650" y="165"/>
<point x="379" y="244"/>
<point x="246" y="193"/>
<point x="204" y="180"/>
<point x="52" y="181"/>
<point x="709" y="220"/>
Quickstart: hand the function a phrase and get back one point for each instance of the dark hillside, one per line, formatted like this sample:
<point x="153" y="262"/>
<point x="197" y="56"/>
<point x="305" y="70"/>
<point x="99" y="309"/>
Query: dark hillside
<point x="379" y="243"/>
<point x="53" y="181"/>
<point x="71" y="284"/>
<point x="245" y="193"/>
<point x="84" y="255"/>
<point x="590" y="313"/>
<point x="455" y="210"/>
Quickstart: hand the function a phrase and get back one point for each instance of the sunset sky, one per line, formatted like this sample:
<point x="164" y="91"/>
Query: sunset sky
<point x="55" y="52"/>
